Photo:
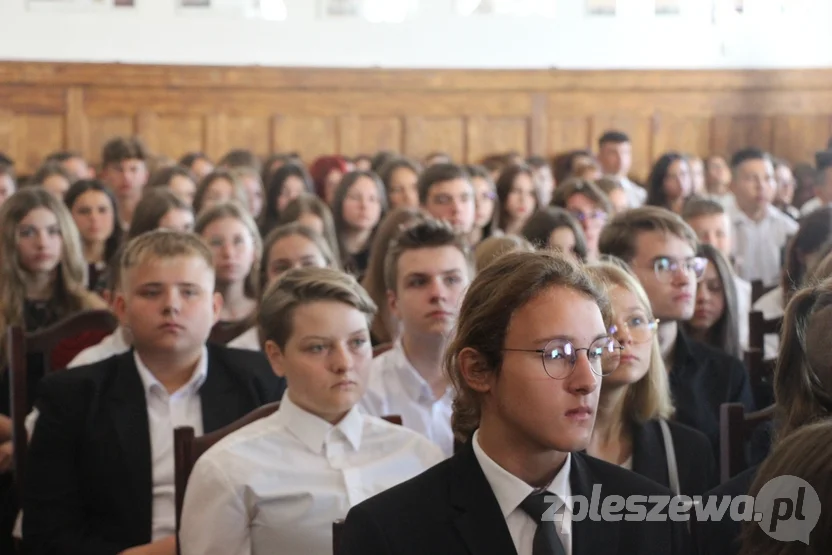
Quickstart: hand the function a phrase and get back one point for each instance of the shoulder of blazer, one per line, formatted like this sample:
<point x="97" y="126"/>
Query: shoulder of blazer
<point x="614" y="479"/>
<point x="687" y="439"/>
<point x="250" y="367"/>
<point x="428" y="488"/>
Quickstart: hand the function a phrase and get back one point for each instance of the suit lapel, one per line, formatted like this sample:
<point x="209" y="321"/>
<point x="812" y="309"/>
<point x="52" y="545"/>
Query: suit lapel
<point x="221" y="405"/>
<point x="649" y="458"/>
<point x="479" y="520"/>
<point x="590" y="537"/>
<point x="128" y="407"/>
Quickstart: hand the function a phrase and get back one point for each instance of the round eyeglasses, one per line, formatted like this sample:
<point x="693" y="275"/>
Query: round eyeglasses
<point x="640" y="330"/>
<point x="560" y="356"/>
<point x="665" y="267"/>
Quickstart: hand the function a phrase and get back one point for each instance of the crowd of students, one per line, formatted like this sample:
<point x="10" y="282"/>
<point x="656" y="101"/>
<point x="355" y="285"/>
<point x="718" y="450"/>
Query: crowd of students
<point x="539" y="326"/>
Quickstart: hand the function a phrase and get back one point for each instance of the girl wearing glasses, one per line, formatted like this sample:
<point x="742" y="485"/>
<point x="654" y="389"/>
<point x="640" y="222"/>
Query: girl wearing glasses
<point x="587" y="204"/>
<point x="716" y="319"/>
<point x="633" y="427"/>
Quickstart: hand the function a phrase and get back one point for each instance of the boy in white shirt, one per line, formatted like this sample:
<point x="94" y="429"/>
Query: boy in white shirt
<point x="427" y="269"/>
<point x="276" y="485"/>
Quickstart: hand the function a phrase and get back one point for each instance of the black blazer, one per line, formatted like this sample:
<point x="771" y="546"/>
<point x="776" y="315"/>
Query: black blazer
<point x="451" y="509"/>
<point x="694" y="459"/>
<point x="702" y="378"/>
<point x="88" y="484"/>
<point x="721" y="537"/>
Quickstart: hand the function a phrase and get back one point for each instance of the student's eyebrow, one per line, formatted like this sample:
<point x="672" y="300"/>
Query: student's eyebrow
<point x="568" y="338"/>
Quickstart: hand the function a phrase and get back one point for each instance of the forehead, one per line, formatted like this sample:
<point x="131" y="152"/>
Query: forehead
<point x="580" y="200"/>
<point x="556" y="311"/>
<point x="451" y="186"/>
<point x="622" y="299"/>
<point x="327" y="318"/>
<point x="226" y="224"/>
<point x="431" y="260"/>
<point x="363" y="184"/>
<point x="651" y="244"/>
<point x="39" y="216"/>
<point x="177" y="269"/>
<point x="290" y="244"/>
<point x="708" y="221"/>
<point x="756" y="166"/>
<point x="93" y="197"/>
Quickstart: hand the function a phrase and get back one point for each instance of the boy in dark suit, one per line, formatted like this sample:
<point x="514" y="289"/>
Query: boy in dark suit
<point x="526" y="362"/>
<point x="100" y="471"/>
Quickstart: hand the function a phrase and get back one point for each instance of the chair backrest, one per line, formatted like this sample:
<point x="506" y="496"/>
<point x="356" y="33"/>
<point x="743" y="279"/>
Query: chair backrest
<point x="759" y="327"/>
<point x="735" y="427"/>
<point x="758" y="289"/>
<point x="224" y="332"/>
<point x="57" y="345"/>
<point x="761" y="376"/>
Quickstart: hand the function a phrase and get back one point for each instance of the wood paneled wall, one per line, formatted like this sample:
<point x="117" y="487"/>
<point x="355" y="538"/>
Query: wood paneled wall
<point x="467" y="113"/>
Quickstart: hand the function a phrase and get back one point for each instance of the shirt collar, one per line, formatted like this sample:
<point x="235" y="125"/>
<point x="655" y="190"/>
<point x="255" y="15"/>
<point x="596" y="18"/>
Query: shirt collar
<point x="315" y="432"/>
<point x="510" y="490"/>
<point x="192" y="386"/>
<point x="413" y="383"/>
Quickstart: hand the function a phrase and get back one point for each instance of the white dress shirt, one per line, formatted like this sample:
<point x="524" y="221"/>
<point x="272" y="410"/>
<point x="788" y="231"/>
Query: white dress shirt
<point x="396" y="387"/>
<point x="249" y="340"/>
<point x="276" y="485"/>
<point x="758" y="246"/>
<point x="113" y="344"/>
<point x="165" y="412"/>
<point x="743" y="289"/>
<point x="772" y="306"/>
<point x="636" y="194"/>
<point x="511" y="491"/>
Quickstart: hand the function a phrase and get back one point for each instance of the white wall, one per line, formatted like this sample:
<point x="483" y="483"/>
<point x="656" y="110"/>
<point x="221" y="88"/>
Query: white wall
<point x="153" y="32"/>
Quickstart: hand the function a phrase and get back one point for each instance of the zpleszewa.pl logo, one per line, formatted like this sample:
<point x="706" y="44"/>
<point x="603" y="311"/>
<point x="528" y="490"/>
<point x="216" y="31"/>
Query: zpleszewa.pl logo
<point x="787" y="508"/>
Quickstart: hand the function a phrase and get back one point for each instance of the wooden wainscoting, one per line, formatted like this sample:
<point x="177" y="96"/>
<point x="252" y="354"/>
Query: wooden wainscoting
<point x="467" y="113"/>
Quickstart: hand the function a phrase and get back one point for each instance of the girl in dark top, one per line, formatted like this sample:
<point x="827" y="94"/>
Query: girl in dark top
<point x="287" y="183"/>
<point x="358" y="206"/>
<point x="160" y="208"/>
<point x="633" y="427"/>
<point x="555" y="228"/>
<point x="715" y="320"/>
<point x="670" y="182"/>
<point x="314" y="213"/>
<point x="93" y="209"/>
<point x="518" y="198"/>
<point x="488" y="206"/>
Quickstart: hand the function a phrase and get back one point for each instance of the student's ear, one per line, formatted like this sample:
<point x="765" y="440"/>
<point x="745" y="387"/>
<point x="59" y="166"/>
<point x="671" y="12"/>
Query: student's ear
<point x="275" y="357"/>
<point x="475" y="371"/>
<point x="120" y="309"/>
<point x="393" y="303"/>
<point x="217" y="301"/>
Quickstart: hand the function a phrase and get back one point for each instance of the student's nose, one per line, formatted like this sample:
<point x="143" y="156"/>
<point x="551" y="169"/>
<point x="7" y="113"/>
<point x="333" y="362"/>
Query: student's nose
<point x="172" y="300"/>
<point x="582" y="380"/>
<point x="438" y="290"/>
<point x="341" y="360"/>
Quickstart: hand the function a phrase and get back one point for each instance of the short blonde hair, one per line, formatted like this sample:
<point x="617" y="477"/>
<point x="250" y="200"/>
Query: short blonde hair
<point x="650" y="397"/>
<point x="302" y="286"/>
<point x="234" y="210"/>
<point x="163" y="244"/>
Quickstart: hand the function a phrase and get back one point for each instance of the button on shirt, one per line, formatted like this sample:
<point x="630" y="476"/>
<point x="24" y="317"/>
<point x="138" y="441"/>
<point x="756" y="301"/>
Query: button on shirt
<point x="396" y="388"/>
<point x="510" y="492"/>
<point x="165" y="412"/>
<point x="758" y="246"/>
<point x="276" y="485"/>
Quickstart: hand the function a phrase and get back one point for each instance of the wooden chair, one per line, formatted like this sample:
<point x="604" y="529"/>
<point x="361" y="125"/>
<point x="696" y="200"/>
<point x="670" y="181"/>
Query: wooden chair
<point x="57" y="345"/>
<point x="381" y="348"/>
<point x="758" y="289"/>
<point x="759" y="327"/>
<point x="337" y="531"/>
<point x="187" y="449"/>
<point x="735" y="428"/>
<point x="761" y="371"/>
<point x="224" y="332"/>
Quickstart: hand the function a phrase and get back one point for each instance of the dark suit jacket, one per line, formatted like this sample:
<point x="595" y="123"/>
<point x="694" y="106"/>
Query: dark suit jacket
<point x="694" y="458"/>
<point x="720" y="537"/>
<point x="89" y="471"/>
<point x="702" y="378"/>
<point x="451" y="509"/>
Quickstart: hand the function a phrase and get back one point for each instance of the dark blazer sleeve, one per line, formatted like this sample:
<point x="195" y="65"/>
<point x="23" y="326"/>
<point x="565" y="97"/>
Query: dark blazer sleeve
<point x="695" y="459"/>
<point x="53" y="522"/>
<point x="721" y="537"/>
<point x="362" y="535"/>
<point x="740" y="385"/>
<point x="268" y="386"/>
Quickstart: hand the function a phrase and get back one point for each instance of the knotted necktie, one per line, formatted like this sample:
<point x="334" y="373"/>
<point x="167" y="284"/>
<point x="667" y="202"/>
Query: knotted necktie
<point x="546" y="540"/>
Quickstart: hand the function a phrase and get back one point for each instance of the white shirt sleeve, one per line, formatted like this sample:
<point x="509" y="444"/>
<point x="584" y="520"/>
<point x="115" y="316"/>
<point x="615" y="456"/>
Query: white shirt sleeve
<point x="215" y="519"/>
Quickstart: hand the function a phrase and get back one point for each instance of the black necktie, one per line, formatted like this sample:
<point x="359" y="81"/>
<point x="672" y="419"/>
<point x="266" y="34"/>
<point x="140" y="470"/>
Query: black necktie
<point x="546" y="540"/>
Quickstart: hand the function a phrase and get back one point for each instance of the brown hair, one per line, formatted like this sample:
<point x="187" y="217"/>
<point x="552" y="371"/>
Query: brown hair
<point x="438" y="173"/>
<point x="150" y="210"/>
<point x="576" y="185"/>
<point x="307" y="203"/>
<point x="426" y="234"/>
<point x="814" y="233"/>
<point x="804" y="454"/>
<point x="289" y="230"/>
<point x="384" y="323"/>
<point x="803" y="372"/>
<point x="496" y="293"/>
<point x="236" y="211"/>
<point x="239" y="158"/>
<point x="490" y="249"/>
<point x="697" y="207"/>
<point x="240" y="194"/>
<point x="620" y="236"/>
<point x="122" y="148"/>
<point x="504" y="184"/>
<point x="48" y="170"/>
<point x="163" y="176"/>
<point x="542" y="223"/>
<point x="302" y="286"/>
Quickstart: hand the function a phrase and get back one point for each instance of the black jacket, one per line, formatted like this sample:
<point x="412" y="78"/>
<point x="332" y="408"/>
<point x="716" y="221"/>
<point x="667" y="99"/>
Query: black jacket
<point x="721" y="537"/>
<point x="88" y="484"/>
<point x="451" y="509"/>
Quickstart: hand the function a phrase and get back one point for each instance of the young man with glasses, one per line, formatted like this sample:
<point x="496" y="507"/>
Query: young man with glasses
<point x="527" y="359"/>
<point x="589" y="205"/>
<point x="660" y="248"/>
